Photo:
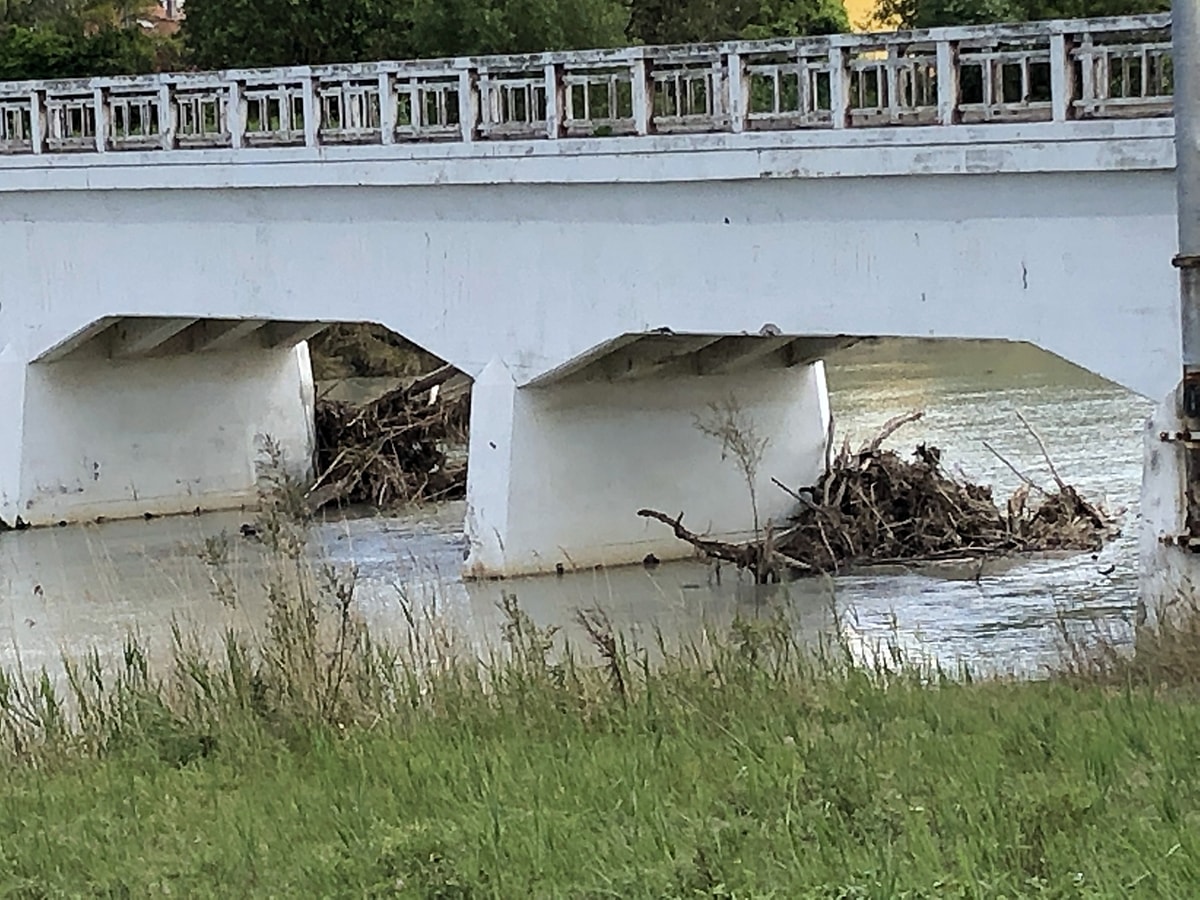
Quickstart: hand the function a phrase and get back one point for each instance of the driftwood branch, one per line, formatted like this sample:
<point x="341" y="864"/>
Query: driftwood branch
<point x="1062" y="486"/>
<point x="742" y="555"/>
<point x="1025" y="478"/>
<point x="761" y="557"/>
<point x="891" y="426"/>
<point x="425" y="383"/>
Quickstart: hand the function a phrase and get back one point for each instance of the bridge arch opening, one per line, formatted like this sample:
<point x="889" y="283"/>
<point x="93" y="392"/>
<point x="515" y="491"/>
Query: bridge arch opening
<point x="134" y="415"/>
<point x="391" y="420"/>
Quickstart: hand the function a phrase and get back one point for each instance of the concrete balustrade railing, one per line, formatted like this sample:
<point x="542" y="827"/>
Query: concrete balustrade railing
<point x="1045" y="71"/>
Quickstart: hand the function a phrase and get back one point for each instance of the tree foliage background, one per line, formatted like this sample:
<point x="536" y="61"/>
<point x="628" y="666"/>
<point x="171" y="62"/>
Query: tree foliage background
<point x="271" y="32"/>
<point x="73" y="38"/>
<point x="79" y="38"/>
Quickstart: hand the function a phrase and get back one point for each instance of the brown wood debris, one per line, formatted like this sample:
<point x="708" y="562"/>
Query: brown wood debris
<point x="392" y="449"/>
<point x="873" y="507"/>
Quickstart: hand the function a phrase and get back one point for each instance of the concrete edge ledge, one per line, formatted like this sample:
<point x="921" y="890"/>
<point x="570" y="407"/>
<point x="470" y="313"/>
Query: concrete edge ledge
<point x="1098" y="146"/>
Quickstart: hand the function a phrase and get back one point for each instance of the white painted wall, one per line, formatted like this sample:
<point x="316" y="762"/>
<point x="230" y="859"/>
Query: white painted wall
<point x="116" y="439"/>
<point x="537" y="274"/>
<point x="557" y="474"/>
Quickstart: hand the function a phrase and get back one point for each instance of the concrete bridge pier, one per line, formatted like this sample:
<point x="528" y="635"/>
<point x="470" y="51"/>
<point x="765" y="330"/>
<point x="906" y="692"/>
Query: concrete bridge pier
<point x="88" y="435"/>
<point x="12" y="397"/>
<point x="560" y="465"/>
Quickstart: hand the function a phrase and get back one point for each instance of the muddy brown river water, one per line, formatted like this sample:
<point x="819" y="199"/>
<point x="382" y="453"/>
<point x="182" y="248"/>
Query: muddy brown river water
<point x="66" y="589"/>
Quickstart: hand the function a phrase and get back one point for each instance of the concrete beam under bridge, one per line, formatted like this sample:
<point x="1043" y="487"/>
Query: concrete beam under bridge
<point x="208" y="335"/>
<point x="633" y="357"/>
<point x="139" y="337"/>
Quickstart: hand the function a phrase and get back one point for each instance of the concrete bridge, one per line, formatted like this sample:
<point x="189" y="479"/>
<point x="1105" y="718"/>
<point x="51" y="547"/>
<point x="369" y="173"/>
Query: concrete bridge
<point x="607" y="242"/>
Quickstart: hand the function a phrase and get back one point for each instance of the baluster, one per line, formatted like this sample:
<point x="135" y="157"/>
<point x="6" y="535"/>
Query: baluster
<point x="491" y="101"/>
<point x="1062" y="78"/>
<point x="892" y="83"/>
<point x="805" y="94"/>
<point x="643" y="98"/>
<point x="166" y="121"/>
<point x="554" y="101"/>
<point x="416" y="106"/>
<point x="1103" y="78"/>
<point x="987" y="83"/>
<point x="839" y="87"/>
<point x="1088" y="73"/>
<point x="337" y="107"/>
<point x="235" y="115"/>
<point x="387" y="108"/>
<point x="55" y="114"/>
<point x="736" y="92"/>
<point x="100" y="122"/>
<point x="37" y="128"/>
<point x="308" y="104"/>
<point x="948" y="95"/>
<point x="468" y="103"/>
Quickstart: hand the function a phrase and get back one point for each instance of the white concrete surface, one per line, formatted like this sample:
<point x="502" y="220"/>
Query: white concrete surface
<point x="1100" y="145"/>
<point x="1169" y="575"/>
<point x="536" y="275"/>
<point x="895" y="79"/>
<point x="121" y="438"/>
<point x="558" y="473"/>
<point x="533" y="276"/>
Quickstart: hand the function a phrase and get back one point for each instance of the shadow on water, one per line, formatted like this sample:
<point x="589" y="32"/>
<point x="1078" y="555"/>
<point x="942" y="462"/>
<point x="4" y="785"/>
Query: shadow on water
<point x="66" y="589"/>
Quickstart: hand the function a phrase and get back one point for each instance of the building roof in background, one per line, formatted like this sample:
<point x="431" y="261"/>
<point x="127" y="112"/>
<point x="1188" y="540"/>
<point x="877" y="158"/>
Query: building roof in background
<point x="162" y="16"/>
<point x="859" y="12"/>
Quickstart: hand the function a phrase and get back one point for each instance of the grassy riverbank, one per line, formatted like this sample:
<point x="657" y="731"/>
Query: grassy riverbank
<point x="748" y="771"/>
<point x="753" y="790"/>
<point x="310" y="762"/>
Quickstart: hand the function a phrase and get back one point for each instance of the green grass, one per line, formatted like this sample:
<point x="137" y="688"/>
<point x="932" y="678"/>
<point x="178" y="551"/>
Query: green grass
<point x="318" y="764"/>
<point x="753" y="775"/>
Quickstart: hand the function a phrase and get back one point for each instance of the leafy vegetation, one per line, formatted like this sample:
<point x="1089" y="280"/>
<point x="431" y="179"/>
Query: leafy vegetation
<point x="245" y="32"/>
<point x="755" y="781"/>
<point x="74" y="38"/>
<point x="79" y="38"/>
<point x="688" y="21"/>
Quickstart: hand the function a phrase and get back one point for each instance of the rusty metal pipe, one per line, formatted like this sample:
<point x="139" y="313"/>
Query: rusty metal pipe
<point x="1185" y="43"/>
<point x="1185" y="36"/>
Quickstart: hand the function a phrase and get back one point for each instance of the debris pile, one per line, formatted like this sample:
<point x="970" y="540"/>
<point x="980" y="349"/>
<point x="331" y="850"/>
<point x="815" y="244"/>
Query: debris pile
<point x="396" y="448"/>
<point x="874" y="507"/>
